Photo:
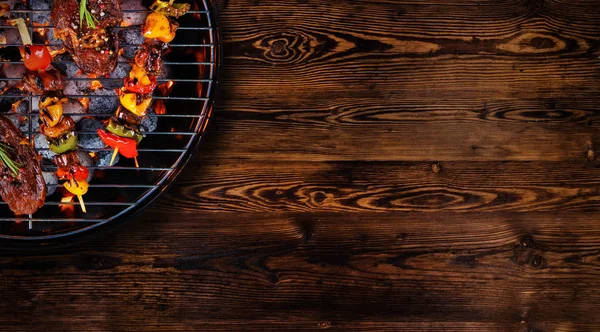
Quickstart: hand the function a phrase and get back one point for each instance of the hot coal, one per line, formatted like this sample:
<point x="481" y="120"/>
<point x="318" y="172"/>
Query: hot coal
<point x="103" y="105"/>
<point x="51" y="182"/>
<point x="86" y="160"/>
<point x="150" y="121"/>
<point x="64" y="63"/>
<point x="90" y="140"/>
<point x="41" y="17"/>
<point x="132" y="36"/>
<point x="41" y="145"/>
<point x="103" y="158"/>
<point x="72" y="107"/>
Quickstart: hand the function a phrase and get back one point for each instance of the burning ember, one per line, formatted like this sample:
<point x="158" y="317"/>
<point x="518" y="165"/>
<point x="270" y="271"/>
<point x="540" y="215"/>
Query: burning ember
<point x="159" y="107"/>
<point x="165" y="88"/>
<point x="67" y="209"/>
<point x="85" y="102"/>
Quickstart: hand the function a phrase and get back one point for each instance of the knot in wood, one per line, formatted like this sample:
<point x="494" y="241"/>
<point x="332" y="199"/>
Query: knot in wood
<point x="537" y="261"/>
<point x="526" y="242"/>
<point x="287" y="47"/>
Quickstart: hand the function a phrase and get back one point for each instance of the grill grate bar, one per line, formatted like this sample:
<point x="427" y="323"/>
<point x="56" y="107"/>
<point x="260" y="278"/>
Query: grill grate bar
<point x="114" y="96"/>
<point x="163" y="80"/>
<point x="119" y="168"/>
<point x="131" y="27"/>
<point x="139" y="150"/>
<point x="122" y="45"/>
<point x="168" y="63"/>
<point x="107" y="115"/>
<point x="26" y="11"/>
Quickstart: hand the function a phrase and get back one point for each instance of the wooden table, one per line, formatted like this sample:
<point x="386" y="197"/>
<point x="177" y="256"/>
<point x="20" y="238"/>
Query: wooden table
<point x="422" y="165"/>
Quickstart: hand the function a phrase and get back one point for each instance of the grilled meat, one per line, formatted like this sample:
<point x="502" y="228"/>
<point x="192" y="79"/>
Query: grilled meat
<point x="39" y="82"/>
<point x="94" y="49"/>
<point x="150" y="56"/>
<point x="26" y="193"/>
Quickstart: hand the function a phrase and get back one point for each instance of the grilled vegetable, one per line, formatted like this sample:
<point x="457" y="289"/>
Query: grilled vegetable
<point x="120" y="130"/>
<point x="125" y="116"/>
<point x="66" y="143"/>
<point x="170" y="9"/>
<point x="37" y="82"/>
<point x="66" y="125"/>
<point x="159" y="26"/>
<point x="51" y="108"/>
<point x="127" y="147"/>
<point x="36" y="57"/>
<point x="139" y="81"/>
<point x="78" y="188"/>
<point x="136" y="103"/>
<point x="69" y="167"/>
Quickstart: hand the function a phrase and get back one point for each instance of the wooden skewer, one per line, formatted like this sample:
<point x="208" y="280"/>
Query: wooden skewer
<point x="114" y="155"/>
<point x="25" y="37"/>
<point x="81" y="203"/>
<point x="136" y="162"/>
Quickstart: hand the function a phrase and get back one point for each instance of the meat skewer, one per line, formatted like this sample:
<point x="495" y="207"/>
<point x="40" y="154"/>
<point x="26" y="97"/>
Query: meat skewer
<point x="136" y="95"/>
<point x="59" y="129"/>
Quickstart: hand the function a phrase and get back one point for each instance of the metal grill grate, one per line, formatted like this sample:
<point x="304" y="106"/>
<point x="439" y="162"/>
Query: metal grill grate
<point x="121" y="189"/>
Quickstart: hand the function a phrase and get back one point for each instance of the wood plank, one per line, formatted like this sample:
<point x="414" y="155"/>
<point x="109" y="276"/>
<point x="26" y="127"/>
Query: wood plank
<point x="251" y="186"/>
<point x="472" y="269"/>
<point x="472" y="80"/>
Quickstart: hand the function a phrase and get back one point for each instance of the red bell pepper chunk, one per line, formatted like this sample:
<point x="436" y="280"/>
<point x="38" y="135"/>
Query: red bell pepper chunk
<point x="134" y="85"/>
<point x="36" y="57"/>
<point x="127" y="146"/>
<point x="77" y="172"/>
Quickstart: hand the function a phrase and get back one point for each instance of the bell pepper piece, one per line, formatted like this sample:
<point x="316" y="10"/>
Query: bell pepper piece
<point x="170" y="9"/>
<point x="139" y="81"/>
<point x="127" y="146"/>
<point x="64" y="144"/>
<point x="36" y="57"/>
<point x="130" y="102"/>
<point x="122" y="131"/>
<point x="158" y="26"/>
<point x="51" y="109"/>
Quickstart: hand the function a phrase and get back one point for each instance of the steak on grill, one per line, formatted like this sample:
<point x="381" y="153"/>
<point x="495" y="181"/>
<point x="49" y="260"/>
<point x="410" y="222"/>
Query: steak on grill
<point x="95" y="50"/>
<point x="26" y="193"/>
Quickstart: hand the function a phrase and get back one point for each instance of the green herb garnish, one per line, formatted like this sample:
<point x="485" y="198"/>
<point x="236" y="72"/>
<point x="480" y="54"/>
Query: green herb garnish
<point x="12" y="165"/>
<point x="84" y="14"/>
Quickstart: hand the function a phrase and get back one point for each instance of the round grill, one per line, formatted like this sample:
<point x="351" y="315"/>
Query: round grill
<point x="120" y="190"/>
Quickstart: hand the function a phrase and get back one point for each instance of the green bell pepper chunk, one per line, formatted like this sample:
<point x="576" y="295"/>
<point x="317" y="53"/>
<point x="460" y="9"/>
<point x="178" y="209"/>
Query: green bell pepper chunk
<point x="123" y="131"/>
<point x="64" y="144"/>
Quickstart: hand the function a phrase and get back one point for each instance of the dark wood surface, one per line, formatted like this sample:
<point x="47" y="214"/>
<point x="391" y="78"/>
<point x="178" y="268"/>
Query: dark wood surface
<point x="373" y="165"/>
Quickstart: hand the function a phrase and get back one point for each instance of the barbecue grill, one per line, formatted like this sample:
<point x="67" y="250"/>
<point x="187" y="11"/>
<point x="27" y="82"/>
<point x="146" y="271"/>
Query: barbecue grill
<point x="116" y="192"/>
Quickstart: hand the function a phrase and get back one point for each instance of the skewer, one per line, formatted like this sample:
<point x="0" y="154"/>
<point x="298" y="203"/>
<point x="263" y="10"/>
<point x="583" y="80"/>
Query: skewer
<point x="81" y="203"/>
<point x="23" y="31"/>
<point x="136" y="162"/>
<point x="114" y="155"/>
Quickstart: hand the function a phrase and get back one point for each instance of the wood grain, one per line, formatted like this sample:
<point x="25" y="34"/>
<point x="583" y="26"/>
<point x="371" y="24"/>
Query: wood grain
<point x="250" y="186"/>
<point x="419" y="165"/>
<point x="411" y="269"/>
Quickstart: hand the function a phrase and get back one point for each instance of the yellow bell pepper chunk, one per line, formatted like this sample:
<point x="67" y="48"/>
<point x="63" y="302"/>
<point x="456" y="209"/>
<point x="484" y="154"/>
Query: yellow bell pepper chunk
<point x="129" y="101"/>
<point x="77" y="188"/>
<point x="159" y="27"/>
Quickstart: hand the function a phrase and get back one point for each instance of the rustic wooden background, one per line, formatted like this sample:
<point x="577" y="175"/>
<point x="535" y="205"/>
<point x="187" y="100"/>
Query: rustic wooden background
<point x="421" y="165"/>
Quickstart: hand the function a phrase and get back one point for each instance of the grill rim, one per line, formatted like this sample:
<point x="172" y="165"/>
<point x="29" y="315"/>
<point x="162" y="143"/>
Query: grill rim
<point x="73" y="238"/>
